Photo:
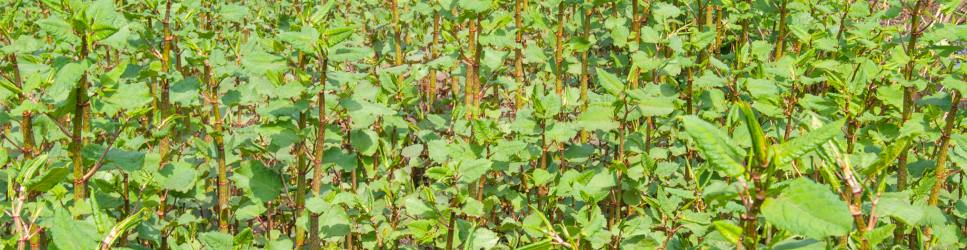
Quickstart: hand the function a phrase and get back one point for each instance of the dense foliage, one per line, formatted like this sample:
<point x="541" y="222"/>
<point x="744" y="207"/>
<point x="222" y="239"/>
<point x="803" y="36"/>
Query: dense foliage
<point x="481" y="124"/>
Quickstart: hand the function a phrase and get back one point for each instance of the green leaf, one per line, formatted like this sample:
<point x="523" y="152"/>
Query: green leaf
<point x="71" y="234"/>
<point x="759" y="146"/>
<point x="649" y="35"/>
<point x="30" y="168"/>
<point x="898" y="56"/>
<point x="337" y="35"/>
<point x="728" y="230"/>
<point x="57" y="27"/>
<point x="233" y="12"/>
<point x="345" y="54"/>
<point x="416" y="207"/>
<point x="548" y="105"/>
<point x="66" y="79"/>
<point x="364" y="141"/>
<point x="805" y="244"/>
<point x="539" y="245"/>
<point x="22" y="45"/>
<point x="561" y="132"/>
<point x="251" y="211"/>
<point x="808" y="208"/>
<point x="103" y="19"/>
<point x="131" y="96"/>
<point x="880" y="234"/>
<point x="4" y="157"/>
<point x="475" y="6"/>
<point x="316" y="204"/>
<point x="259" y="62"/>
<point x="619" y="35"/>
<point x="10" y="87"/>
<point x="471" y="171"/>
<point x="714" y="145"/>
<point x="179" y="176"/>
<point x="185" y="91"/>
<point x="50" y="177"/>
<point x="610" y="82"/>
<point x="243" y="240"/>
<point x="264" y="183"/>
<point x="597" y="117"/>
<point x="595" y="185"/>
<point x="656" y="106"/>
<point x="120" y="228"/>
<point x="955" y="84"/>
<point x="216" y="240"/>
<point x="473" y="208"/>
<point x="665" y="10"/>
<point x="887" y="157"/>
<point x="802" y="145"/>
<point x="483" y="239"/>
<point x="422" y="230"/>
<point x="303" y="40"/>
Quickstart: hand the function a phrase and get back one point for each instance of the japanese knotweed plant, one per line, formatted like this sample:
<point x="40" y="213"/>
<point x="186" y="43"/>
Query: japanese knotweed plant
<point x="482" y="124"/>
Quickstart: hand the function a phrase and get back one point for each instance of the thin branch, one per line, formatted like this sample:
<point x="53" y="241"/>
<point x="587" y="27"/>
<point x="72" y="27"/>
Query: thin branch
<point x="19" y="148"/>
<point x="100" y="160"/>
<point x="60" y="126"/>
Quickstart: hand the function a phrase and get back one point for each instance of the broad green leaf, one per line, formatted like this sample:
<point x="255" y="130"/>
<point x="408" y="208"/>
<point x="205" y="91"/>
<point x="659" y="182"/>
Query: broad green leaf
<point x="898" y="56"/>
<point x="714" y="145"/>
<point x="560" y="132"/>
<point x="66" y="79"/>
<point x="179" y="176"/>
<point x="4" y="157"/>
<point x="803" y="244"/>
<point x="475" y="6"/>
<point x="30" y="168"/>
<point x="50" y="177"/>
<point x="259" y="62"/>
<point x="595" y="186"/>
<point x="483" y="239"/>
<point x="656" y="106"/>
<point x="316" y="204"/>
<point x="649" y="35"/>
<point x="233" y="12"/>
<point x="250" y="211"/>
<point x="619" y="34"/>
<point x="337" y="35"/>
<point x="473" y="208"/>
<point x="216" y="240"/>
<point x="955" y="84"/>
<point x="597" y="117"/>
<point x="58" y="28"/>
<point x="471" y="171"/>
<point x="70" y="234"/>
<point x="243" y="239"/>
<point x="186" y="91"/>
<point x="364" y="141"/>
<point x="803" y="144"/>
<point x="887" y="157"/>
<point x="264" y="183"/>
<point x="548" y="105"/>
<point x="103" y="19"/>
<point x="728" y="230"/>
<point x="131" y="96"/>
<point x="304" y="40"/>
<point x="880" y="234"/>
<point x="810" y="209"/>
<point x="610" y="82"/>
<point x="10" y="87"/>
